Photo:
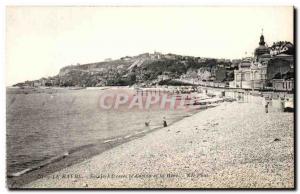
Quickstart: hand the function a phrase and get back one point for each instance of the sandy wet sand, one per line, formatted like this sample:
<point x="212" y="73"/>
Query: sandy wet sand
<point x="234" y="145"/>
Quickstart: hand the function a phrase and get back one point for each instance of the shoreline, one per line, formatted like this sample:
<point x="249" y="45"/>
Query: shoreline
<point x="216" y="148"/>
<point x="80" y="154"/>
<point x="72" y="157"/>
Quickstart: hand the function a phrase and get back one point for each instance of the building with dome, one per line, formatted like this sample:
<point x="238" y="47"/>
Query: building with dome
<point x="250" y="75"/>
<point x="260" y="71"/>
<point x="252" y="71"/>
<point x="262" y="50"/>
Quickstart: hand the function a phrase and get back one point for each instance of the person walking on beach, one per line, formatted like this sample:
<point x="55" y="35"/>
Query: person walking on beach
<point x="267" y="107"/>
<point x="165" y="122"/>
<point x="147" y="124"/>
<point x="282" y="104"/>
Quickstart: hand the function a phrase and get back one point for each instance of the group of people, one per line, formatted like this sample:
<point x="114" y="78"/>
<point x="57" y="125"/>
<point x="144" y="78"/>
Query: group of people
<point x="147" y="123"/>
<point x="268" y="103"/>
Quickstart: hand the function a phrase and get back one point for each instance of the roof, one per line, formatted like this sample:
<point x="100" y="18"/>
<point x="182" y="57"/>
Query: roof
<point x="262" y="47"/>
<point x="266" y="55"/>
<point x="245" y="64"/>
<point x="283" y="55"/>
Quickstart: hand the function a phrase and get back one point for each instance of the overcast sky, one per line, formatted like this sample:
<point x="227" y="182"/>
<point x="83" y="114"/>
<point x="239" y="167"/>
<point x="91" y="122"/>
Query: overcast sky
<point x="41" y="40"/>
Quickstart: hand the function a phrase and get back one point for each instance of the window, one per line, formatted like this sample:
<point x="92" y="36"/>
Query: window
<point x="256" y="75"/>
<point x="242" y="77"/>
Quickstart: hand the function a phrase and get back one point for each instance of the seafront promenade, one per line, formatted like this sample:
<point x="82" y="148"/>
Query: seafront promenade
<point x="233" y="145"/>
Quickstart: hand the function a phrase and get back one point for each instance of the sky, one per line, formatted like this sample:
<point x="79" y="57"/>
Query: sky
<point x="41" y="40"/>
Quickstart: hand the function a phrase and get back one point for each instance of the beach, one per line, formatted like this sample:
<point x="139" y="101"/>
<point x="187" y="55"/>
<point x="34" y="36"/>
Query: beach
<point x="233" y="145"/>
<point x="50" y="129"/>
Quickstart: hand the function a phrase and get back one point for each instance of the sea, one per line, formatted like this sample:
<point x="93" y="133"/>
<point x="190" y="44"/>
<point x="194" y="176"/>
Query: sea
<point x="44" y="123"/>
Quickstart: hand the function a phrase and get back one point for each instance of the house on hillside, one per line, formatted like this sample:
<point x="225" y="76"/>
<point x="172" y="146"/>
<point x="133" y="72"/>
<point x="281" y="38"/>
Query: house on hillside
<point x="127" y="58"/>
<point x="170" y="56"/>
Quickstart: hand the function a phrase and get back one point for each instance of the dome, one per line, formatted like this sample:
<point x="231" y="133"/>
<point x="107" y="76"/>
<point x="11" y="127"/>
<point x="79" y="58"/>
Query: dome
<point x="261" y="49"/>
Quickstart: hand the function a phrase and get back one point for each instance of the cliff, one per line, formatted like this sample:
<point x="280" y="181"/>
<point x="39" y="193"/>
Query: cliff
<point x="145" y="68"/>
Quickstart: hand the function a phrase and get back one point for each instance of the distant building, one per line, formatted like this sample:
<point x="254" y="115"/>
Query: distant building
<point x="220" y="60"/>
<point x="43" y="81"/>
<point x="201" y="60"/>
<point x="204" y="74"/>
<point x="250" y="76"/>
<point x="36" y="83"/>
<point x="285" y="57"/>
<point x="245" y="63"/>
<point x="283" y="85"/>
<point x="258" y="72"/>
<point x="235" y="63"/>
<point x="127" y="58"/>
<point x="170" y="56"/>
<point x="251" y="73"/>
<point x="163" y="77"/>
<point x="282" y="47"/>
<point x="156" y="55"/>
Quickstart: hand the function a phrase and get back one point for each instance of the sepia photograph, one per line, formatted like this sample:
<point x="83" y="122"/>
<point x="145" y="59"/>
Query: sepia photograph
<point x="150" y="97"/>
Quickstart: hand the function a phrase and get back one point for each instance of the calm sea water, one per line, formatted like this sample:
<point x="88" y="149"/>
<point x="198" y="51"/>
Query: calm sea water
<point x="45" y="123"/>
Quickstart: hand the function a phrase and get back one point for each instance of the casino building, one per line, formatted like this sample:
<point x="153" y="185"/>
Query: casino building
<point x="251" y="73"/>
<point x="257" y="72"/>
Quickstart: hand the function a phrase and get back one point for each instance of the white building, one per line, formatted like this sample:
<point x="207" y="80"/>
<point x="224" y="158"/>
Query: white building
<point x="250" y="76"/>
<point x="252" y="72"/>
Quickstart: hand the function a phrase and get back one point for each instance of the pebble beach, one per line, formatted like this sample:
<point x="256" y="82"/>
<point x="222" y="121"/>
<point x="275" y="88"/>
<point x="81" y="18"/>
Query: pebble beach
<point x="233" y="145"/>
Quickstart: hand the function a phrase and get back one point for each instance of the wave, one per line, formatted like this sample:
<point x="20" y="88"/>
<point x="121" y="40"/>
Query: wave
<point x="47" y="162"/>
<point x="71" y="151"/>
<point x="57" y="158"/>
